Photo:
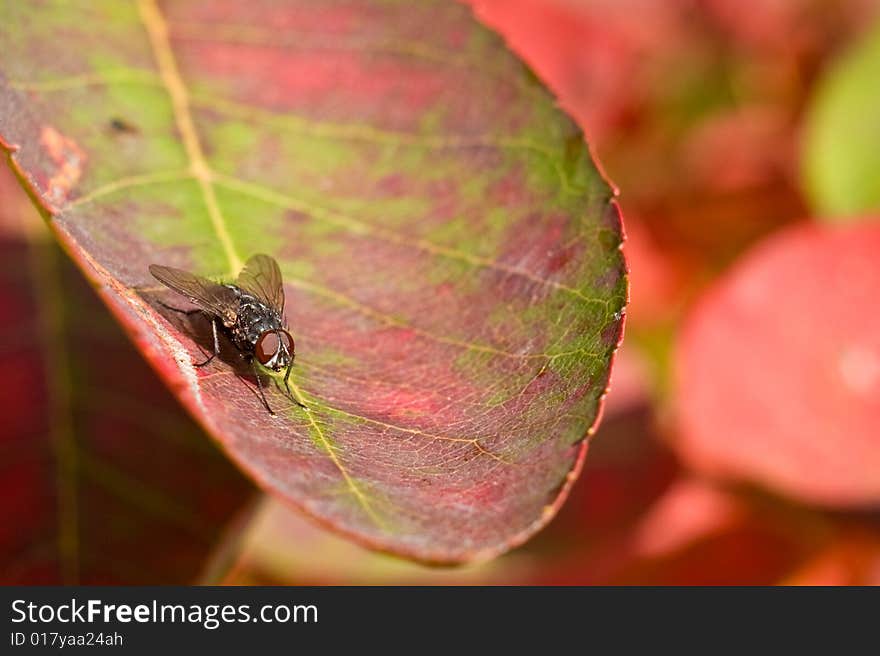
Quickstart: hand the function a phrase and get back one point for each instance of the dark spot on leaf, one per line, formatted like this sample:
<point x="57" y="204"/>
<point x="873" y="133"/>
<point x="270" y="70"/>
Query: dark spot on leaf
<point x="121" y="126"/>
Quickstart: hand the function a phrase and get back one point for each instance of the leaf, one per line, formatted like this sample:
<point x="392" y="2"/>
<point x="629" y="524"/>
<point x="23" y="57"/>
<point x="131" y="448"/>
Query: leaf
<point x="451" y="254"/>
<point x="105" y="478"/>
<point x="778" y="368"/>
<point x="841" y="151"/>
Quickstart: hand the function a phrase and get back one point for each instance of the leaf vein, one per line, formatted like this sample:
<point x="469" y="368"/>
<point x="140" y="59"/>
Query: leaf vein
<point x="274" y="197"/>
<point x="157" y="31"/>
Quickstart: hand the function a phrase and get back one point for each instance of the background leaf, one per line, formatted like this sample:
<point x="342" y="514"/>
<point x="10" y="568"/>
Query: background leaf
<point x="778" y="368"/>
<point x="454" y="277"/>
<point x="105" y="478"/>
<point x="841" y="151"/>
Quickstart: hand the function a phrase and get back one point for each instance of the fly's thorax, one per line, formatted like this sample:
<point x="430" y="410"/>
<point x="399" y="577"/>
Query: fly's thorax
<point x="254" y="318"/>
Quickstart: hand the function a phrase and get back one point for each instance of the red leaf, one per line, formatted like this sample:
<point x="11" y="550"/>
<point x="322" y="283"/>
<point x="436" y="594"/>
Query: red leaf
<point x="779" y="368"/>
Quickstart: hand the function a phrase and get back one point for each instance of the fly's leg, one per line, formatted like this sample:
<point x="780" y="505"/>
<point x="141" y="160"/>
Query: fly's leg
<point x="189" y="313"/>
<point x="287" y="387"/>
<point x="216" y="344"/>
<point x="260" y="387"/>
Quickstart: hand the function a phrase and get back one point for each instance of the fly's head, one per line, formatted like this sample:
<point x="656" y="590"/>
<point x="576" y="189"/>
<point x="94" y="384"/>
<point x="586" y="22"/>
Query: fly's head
<point x="275" y="349"/>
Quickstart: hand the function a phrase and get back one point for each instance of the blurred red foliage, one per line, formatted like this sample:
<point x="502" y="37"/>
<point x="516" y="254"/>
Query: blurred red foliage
<point x="778" y="368"/>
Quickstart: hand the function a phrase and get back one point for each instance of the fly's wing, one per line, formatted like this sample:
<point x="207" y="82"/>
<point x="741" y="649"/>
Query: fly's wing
<point x="209" y="296"/>
<point x="262" y="278"/>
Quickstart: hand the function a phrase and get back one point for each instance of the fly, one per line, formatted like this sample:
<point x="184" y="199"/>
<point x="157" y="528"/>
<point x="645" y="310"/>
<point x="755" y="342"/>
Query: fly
<point x="250" y="312"/>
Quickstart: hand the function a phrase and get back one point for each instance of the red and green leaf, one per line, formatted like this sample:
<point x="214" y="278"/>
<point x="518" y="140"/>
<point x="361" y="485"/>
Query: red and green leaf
<point x="451" y="253"/>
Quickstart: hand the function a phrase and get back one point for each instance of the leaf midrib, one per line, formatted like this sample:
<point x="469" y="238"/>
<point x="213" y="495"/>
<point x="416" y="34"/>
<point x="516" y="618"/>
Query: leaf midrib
<point x="157" y="31"/>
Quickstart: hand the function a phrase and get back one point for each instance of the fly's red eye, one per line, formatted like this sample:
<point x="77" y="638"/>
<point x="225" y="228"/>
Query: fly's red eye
<point x="287" y="340"/>
<point x="267" y="346"/>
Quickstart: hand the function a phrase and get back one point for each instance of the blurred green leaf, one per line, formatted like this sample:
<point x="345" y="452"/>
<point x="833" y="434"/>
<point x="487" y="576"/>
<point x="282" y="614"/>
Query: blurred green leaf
<point x="841" y="151"/>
